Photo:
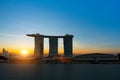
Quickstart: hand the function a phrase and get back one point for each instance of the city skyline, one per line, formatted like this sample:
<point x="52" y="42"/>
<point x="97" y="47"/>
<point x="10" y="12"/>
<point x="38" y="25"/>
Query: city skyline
<point x="94" y="24"/>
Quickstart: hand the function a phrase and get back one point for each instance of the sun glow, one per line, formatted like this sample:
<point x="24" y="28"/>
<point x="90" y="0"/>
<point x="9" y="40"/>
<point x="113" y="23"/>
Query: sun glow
<point x="24" y="52"/>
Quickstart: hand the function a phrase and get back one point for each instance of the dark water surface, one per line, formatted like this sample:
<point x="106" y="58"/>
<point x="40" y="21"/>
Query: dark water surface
<point x="59" y="72"/>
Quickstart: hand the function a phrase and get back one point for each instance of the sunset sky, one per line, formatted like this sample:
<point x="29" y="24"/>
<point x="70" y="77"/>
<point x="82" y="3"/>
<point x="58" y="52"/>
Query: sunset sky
<point x="95" y="24"/>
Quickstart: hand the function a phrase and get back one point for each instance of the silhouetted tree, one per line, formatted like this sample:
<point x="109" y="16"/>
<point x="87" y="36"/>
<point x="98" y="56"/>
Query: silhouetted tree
<point x="2" y="57"/>
<point x="118" y="55"/>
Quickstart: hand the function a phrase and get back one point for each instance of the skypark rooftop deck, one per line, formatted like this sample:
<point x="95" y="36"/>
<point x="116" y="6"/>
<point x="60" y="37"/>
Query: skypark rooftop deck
<point x="48" y="36"/>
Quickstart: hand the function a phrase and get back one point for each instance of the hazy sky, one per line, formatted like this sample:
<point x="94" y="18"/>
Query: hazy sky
<point x="95" y="24"/>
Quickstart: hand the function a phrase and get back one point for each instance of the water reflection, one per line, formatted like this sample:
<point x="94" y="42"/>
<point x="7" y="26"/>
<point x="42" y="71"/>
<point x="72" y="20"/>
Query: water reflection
<point x="59" y="72"/>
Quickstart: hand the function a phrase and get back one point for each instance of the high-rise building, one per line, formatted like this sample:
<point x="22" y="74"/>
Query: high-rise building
<point x="53" y="45"/>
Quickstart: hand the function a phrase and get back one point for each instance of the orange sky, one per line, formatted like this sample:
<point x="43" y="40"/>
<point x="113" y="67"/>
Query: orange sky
<point x="16" y="44"/>
<point x="81" y="51"/>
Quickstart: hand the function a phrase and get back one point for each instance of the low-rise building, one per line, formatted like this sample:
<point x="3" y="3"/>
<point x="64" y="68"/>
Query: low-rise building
<point x="97" y="57"/>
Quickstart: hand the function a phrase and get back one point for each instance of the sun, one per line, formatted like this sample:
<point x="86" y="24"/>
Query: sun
<point x="24" y="52"/>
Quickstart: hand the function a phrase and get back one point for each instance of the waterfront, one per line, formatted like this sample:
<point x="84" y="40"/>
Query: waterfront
<point x="59" y="71"/>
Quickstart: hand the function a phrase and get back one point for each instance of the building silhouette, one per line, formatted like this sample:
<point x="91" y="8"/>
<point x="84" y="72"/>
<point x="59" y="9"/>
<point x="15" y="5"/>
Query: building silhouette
<point x="5" y="53"/>
<point x="53" y="45"/>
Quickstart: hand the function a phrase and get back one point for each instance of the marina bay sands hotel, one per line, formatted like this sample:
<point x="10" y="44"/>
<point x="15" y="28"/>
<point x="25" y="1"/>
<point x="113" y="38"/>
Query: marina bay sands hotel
<point x="53" y="45"/>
